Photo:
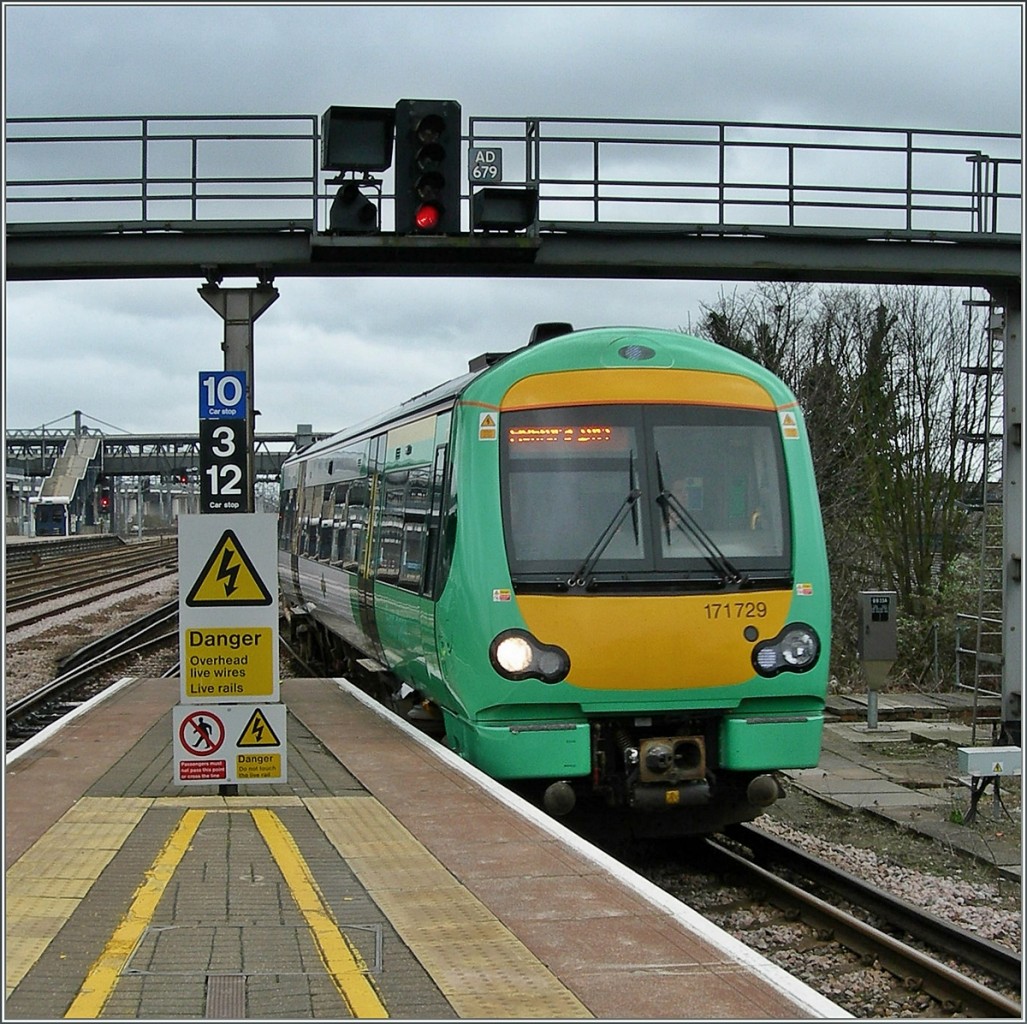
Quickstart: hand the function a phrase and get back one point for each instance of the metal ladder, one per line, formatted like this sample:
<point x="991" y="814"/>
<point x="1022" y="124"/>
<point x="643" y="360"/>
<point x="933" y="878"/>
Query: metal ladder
<point x="984" y="625"/>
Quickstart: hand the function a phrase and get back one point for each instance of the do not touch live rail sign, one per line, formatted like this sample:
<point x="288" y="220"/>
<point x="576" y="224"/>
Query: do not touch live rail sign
<point x="229" y="743"/>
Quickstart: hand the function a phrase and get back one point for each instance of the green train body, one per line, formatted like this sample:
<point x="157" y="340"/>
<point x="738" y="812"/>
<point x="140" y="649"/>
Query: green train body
<point x="598" y="560"/>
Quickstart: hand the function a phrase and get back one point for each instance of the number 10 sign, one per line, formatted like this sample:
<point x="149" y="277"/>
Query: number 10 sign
<point x="223" y="395"/>
<point x="223" y="443"/>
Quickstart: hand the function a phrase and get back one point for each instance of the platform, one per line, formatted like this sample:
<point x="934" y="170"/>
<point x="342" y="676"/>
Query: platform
<point x="387" y="879"/>
<point x="854" y="778"/>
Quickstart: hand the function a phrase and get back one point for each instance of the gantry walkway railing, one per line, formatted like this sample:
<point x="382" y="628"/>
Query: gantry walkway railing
<point x="163" y="172"/>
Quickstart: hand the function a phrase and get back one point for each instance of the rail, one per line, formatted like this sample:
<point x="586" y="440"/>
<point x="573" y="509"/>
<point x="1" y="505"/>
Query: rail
<point x="918" y="970"/>
<point x="195" y="173"/>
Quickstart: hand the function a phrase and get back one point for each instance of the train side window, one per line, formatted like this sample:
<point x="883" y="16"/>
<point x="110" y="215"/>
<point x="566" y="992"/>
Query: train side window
<point x="356" y="524"/>
<point x="312" y="521"/>
<point x="295" y="541"/>
<point x="401" y="554"/>
<point x="324" y="538"/>
<point x="390" y="547"/>
<point x="415" y="512"/>
<point x="338" y="514"/>
<point x="286" y="519"/>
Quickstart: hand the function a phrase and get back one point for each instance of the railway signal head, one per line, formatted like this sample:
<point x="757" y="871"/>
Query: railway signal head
<point x="428" y="138"/>
<point x="352" y="212"/>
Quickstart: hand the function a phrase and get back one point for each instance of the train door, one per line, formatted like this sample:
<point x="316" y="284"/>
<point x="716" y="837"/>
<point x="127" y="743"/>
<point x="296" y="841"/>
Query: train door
<point x="289" y="513"/>
<point x="430" y="582"/>
<point x="367" y="568"/>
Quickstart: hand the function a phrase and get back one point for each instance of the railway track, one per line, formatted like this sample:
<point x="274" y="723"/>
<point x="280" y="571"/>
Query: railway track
<point x="950" y="990"/>
<point x="54" y="578"/>
<point x="991" y="957"/>
<point x="87" y="671"/>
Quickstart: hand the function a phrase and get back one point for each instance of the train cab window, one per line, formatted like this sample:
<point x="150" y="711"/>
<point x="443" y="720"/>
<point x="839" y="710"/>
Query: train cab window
<point x="643" y="495"/>
<point x="571" y="491"/>
<point x="722" y="474"/>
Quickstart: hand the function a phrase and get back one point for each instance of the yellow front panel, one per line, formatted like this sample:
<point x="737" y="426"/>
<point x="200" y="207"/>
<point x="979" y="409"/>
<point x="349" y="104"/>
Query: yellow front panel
<point x="689" y="387"/>
<point x="656" y="643"/>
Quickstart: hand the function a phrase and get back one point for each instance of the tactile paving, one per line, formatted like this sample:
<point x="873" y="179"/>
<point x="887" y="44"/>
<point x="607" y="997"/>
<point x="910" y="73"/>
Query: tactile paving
<point x="47" y="883"/>
<point x="480" y="966"/>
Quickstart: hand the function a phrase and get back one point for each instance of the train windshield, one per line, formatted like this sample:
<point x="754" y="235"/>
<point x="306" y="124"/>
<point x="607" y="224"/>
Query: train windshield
<point x="607" y="494"/>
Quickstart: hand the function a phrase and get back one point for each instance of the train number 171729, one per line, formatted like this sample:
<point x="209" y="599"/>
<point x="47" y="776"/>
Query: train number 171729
<point x="736" y="610"/>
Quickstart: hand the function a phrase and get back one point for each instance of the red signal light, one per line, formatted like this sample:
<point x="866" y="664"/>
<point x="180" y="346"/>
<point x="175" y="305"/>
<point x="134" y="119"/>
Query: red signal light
<point x="427" y="217"/>
<point x="428" y="160"/>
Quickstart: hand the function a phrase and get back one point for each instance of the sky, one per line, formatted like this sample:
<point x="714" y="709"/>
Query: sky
<point x="332" y="352"/>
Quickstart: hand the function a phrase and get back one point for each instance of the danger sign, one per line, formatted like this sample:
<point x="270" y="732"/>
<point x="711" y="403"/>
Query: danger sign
<point x="789" y="424"/>
<point x="229" y="578"/>
<point x="258" y="732"/>
<point x="487" y="427"/>
<point x="228" y="607"/>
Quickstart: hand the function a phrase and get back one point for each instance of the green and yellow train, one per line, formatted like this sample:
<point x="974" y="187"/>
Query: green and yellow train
<point x="596" y="561"/>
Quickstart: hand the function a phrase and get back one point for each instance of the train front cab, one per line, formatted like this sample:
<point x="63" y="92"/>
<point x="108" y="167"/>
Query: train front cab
<point x="51" y="519"/>
<point x="658" y="629"/>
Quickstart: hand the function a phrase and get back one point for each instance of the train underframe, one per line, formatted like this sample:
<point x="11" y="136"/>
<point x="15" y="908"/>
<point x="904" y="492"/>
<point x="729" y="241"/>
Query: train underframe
<point x="655" y="770"/>
<point x="661" y="770"/>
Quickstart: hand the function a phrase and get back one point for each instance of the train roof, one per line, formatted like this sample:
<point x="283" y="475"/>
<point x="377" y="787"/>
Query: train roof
<point x="445" y="394"/>
<point x="441" y="395"/>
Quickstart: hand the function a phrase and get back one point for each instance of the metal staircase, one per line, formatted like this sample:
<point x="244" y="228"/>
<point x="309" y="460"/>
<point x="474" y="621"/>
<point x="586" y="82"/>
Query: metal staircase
<point x="70" y="469"/>
<point x="979" y="633"/>
<point x="70" y="484"/>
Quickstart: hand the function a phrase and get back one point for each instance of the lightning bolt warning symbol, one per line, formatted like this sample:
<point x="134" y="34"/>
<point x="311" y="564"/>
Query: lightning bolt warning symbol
<point x="228" y="571"/>
<point x="258" y="732"/>
<point x="228" y="578"/>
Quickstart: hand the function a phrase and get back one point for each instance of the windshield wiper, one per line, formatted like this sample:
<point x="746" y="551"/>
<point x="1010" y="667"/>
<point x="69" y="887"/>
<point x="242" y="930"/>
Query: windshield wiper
<point x="578" y="578"/>
<point x="689" y="526"/>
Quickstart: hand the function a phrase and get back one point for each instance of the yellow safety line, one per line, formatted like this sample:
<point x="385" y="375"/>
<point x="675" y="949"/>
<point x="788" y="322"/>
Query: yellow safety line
<point x="103" y="975"/>
<point x="343" y="962"/>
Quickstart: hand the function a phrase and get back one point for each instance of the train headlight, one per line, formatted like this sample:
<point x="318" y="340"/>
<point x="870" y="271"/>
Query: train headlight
<point x="799" y="647"/>
<point x="513" y="655"/>
<point x="516" y="654"/>
<point x="795" y="649"/>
